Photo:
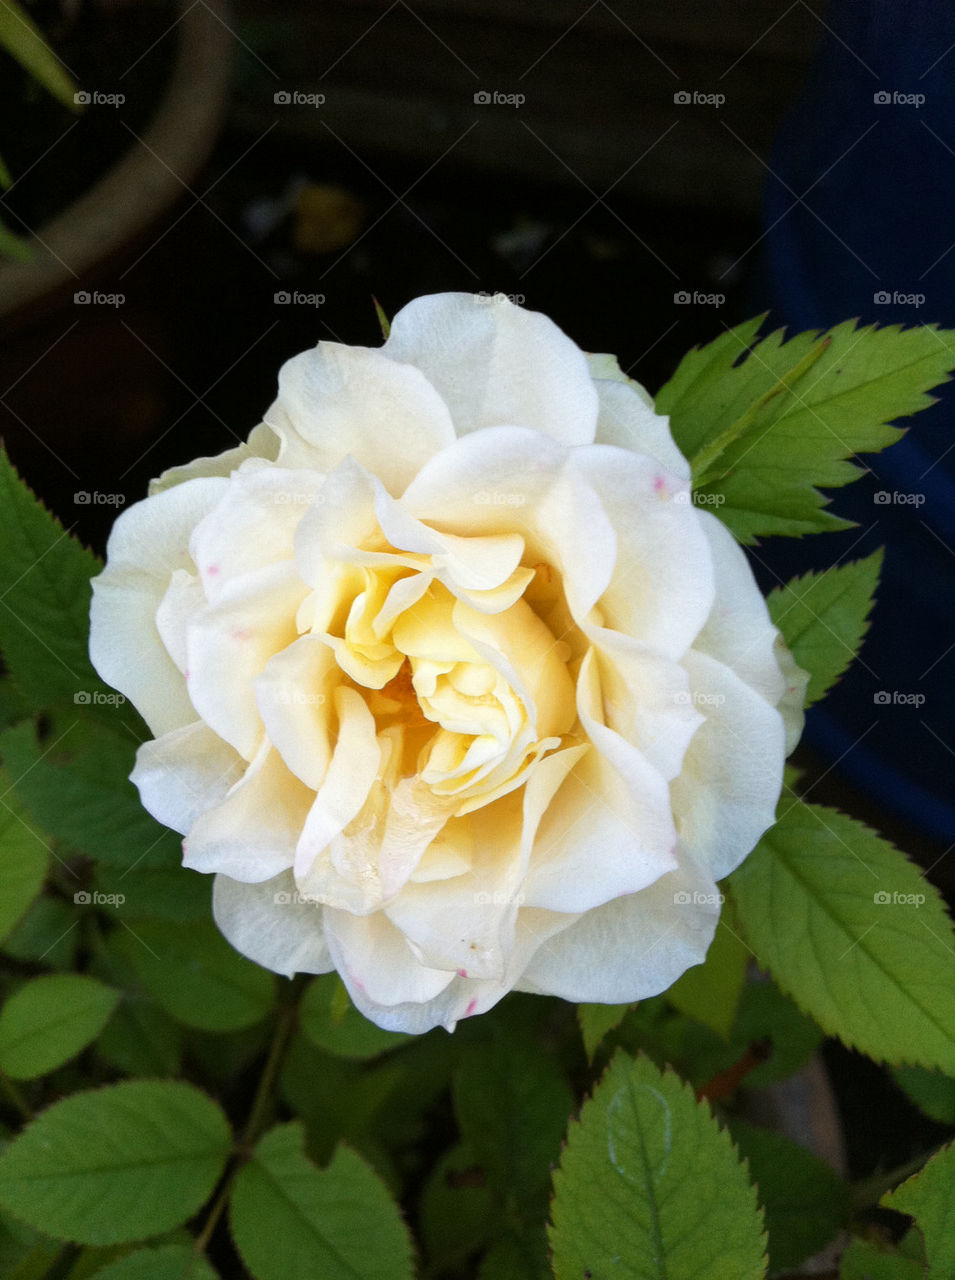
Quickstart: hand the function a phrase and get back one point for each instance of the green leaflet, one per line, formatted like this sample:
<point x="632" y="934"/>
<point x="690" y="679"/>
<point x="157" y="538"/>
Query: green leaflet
<point x="929" y="1196"/>
<point x="805" y="1202"/>
<point x="766" y="433"/>
<point x="76" y="784"/>
<point x="23" y="859"/>
<point x="44" y="598"/>
<point x="650" y="1188"/>
<point x="596" y="1020"/>
<point x="931" y="1092"/>
<point x="166" y="1262"/>
<point x="824" y="616"/>
<point x="49" y="1020"/>
<point x="21" y="38"/>
<point x="116" y="1164"/>
<point x="710" y="992"/>
<point x="293" y="1221"/>
<point x="512" y="1103"/>
<point x="196" y="976"/>
<point x="848" y="927"/>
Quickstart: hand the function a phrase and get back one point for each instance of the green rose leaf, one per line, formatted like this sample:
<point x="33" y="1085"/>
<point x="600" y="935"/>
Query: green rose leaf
<point x="46" y="935"/>
<point x="44" y="598"/>
<point x="75" y="783"/>
<point x="512" y="1103"/>
<point x="167" y="1262"/>
<point x="596" y="1021"/>
<point x="766" y="431"/>
<point x="932" y="1093"/>
<point x="196" y="976"/>
<point x="865" y="1260"/>
<point x="852" y="930"/>
<point x="804" y="1200"/>
<point x="929" y="1196"/>
<point x="23" y="860"/>
<point x="650" y="1188"/>
<point x="710" y="992"/>
<point x="49" y="1020"/>
<point x="116" y="1164"/>
<point x="823" y="618"/>
<point x="293" y="1221"/>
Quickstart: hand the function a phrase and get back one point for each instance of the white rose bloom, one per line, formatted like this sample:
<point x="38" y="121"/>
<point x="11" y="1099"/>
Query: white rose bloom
<point x="453" y="687"/>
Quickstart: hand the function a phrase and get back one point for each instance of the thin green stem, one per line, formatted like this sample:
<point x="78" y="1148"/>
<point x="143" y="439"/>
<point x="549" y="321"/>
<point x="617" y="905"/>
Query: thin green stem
<point x="258" y="1113"/>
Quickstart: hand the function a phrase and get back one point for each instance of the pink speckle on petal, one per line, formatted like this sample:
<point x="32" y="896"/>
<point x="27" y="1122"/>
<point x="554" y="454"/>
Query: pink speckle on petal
<point x="359" y="985"/>
<point x="471" y="1007"/>
<point x="659" y="484"/>
<point x="212" y="570"/>
<point x="462" y="973"/>
<point x="242" y="634"/>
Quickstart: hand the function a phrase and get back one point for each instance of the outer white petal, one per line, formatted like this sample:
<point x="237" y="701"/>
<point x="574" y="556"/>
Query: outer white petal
<point x="262" y="443"/>
<point x="229" y="644"/>
<point x="184" y="599"/>
<point x="253" y="526"/>
<point x="633" y="947"/>
<point x="148" y="543"/>
<point x="647" y="700"/>
<point x="457" y="998"/>
<point x="627" y="419"/>
<point x="495" y="363"/>
<point x="739" y="631"/>
<point x="184" y="773"/>
<point x="251" y="835"/>
<point x="268" y="923"/>
<point x="609" y="830"/>
<point x="376" y="962"/>
<point x="355" y="401"/>
<point x="726" y="795"/>
<point x="662" y="587"/>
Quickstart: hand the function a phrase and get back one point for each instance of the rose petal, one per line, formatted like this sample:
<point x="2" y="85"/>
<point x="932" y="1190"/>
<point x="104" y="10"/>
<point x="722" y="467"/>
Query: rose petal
<point x="182" y="601"/>
<point x="662" y="588"/>
<point x="627" y="420"/>
<point x="647" y="700"/>
<point x="253" y="525"/>
<point x="268" y="923"/>
<point x="350" y="775"/>
<point x="184" y="773"/>
<point x="375" y="962"/>
<point x="632" y="947"/>
<point x="229" y="643"/>
<point x="251" y="835"/>
<point x="353" y="401"/>
<point x="739" y="632"/>
<point x="262" y="443"/>
<point x="494" y="363"/>
<point x="559" y="515"/>
<point x="148" y="543"/>
<point x="294" y="695"/>
<point x="726" y="795"/>
<point x="609" y="830"/>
